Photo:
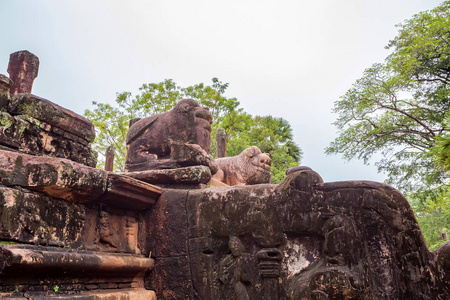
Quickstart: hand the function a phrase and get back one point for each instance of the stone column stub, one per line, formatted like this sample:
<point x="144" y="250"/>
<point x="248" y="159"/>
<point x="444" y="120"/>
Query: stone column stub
<point x="109" y="162"/>
<point x="221" y="142"/>
<point x="23" y="68"/>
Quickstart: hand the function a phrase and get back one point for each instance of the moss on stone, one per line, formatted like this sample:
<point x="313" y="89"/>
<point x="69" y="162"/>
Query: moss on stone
<point x="6" y="120"/>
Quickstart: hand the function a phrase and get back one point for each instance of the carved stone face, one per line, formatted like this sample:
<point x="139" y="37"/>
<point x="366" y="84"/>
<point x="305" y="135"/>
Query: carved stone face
<point x="258" y="159"/>
<point x="258" y="165"/>
<point x="251" y="166"/>
<point x="193" y="122"/>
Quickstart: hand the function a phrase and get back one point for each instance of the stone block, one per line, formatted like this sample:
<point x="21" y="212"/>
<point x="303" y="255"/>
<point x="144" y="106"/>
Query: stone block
<point x="171" y="279"/>
<point x="30" y="217"/>
<point x="57" y="177"/>
<point x="167" y="225"/>
<point x="28" y="135"/>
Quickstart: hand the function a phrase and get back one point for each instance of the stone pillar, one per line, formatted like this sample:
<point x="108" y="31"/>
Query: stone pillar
<point x="23" y="69"/>
<point x="109" y="163"/>
<point x="269" y="270"/>
<point x="221" y="143"/>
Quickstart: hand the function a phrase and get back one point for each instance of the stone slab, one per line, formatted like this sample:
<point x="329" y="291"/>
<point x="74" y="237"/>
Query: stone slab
<point x="57" y="177"/>
<point x="186" y="175"/>
<point x="53" y="114"/>
<point x="301" y="239"/>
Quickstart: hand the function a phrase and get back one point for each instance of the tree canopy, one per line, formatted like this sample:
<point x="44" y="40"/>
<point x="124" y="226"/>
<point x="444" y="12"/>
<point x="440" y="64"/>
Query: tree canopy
<point x="397" y="108"/>
<point x="270" y="134"/>
<point x="400" y="109"/>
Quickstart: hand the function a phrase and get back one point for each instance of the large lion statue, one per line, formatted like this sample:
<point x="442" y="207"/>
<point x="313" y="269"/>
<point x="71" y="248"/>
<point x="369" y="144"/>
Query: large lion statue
<point x="180" y="137"/>
<point x="251" y="166"/>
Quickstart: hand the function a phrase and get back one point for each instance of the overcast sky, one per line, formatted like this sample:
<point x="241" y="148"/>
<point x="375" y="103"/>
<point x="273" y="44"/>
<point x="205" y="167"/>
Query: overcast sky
<point x="290" y="59"/>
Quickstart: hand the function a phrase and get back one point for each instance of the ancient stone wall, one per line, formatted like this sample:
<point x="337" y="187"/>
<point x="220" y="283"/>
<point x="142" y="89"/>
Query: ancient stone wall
<point x="67" y="230"/>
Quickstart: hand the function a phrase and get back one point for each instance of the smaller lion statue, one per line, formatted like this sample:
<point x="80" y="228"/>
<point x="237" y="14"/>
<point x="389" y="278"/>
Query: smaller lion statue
<point x="251" y="166"/>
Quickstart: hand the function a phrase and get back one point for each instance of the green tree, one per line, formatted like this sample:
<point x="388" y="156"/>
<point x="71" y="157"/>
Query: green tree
<point x="111" y="126"/>
<point x="433" y="216"/>
<point x="272" y="135"/>
<point x="398" y="108"/>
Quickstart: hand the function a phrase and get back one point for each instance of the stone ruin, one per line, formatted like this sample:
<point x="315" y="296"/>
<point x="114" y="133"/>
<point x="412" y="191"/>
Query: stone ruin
<point x="159" y="231"/>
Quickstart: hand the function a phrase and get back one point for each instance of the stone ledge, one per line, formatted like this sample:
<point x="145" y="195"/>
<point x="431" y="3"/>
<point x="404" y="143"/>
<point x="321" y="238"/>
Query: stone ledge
<point x="26" y="263"/>
<point x="131" y="294"/>
<point x="129" y="193"/>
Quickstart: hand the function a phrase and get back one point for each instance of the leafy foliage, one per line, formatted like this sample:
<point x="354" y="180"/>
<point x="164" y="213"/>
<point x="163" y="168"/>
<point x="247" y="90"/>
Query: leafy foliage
<point x="433" y="216"/>
<point x="383" y="112"/>
<point x="111" y="126"/>
<point x="271" y="135"/>
<point x="398" y="108"/>
<point x="422" y="47"/>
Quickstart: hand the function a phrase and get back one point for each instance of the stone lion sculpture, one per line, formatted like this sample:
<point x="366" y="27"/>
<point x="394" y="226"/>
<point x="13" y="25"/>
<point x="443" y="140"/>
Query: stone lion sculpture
<point x="251" y="166"/>
<point x="178" y="138"/>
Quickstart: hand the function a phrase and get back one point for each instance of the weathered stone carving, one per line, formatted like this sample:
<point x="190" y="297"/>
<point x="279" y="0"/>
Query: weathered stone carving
<point x="178" y="138"/>
<point x="341" y="240"/>
<point x="269" y="270"/>
<point x="107" y="235"/>
<point x="131" y="234"/>
<point x="233" y="270"/>
<point x="250" y="167"/>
